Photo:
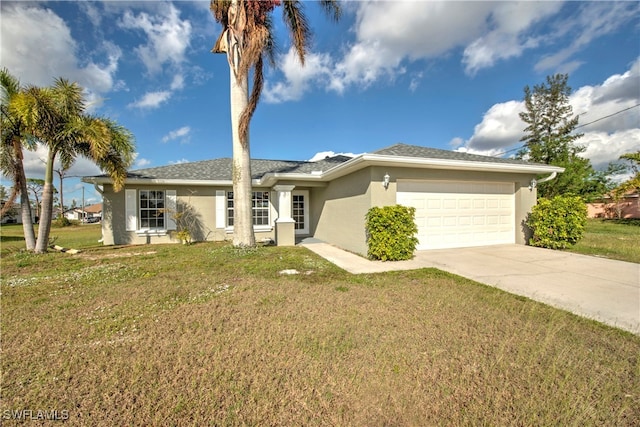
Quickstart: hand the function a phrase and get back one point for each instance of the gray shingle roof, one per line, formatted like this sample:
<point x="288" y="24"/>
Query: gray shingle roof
<point x="220" y="169"/>
<point x="404" y="150"/>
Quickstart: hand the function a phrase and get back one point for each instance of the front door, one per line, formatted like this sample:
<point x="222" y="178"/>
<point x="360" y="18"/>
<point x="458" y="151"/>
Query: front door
<point x="300" y="211"/>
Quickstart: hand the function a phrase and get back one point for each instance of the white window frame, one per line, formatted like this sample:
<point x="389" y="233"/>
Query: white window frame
<point x="229" y="211"/>
<point x="133" y="209"/>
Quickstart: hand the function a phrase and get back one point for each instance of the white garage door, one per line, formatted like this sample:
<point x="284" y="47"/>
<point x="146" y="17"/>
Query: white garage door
<point x="452" y="214"/>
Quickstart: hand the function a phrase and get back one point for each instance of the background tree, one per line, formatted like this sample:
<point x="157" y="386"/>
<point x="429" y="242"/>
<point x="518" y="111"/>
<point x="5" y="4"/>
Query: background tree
<point x="11" y="211"/>
<point x="61" y="174"/>
<point x="36" y="187"/>
<point x="247" y="38"/>
<point x="13" y="137"/>
<point x="56" y="116"/>
<point x="631" y="184"/>
<point x="550" y="138"/>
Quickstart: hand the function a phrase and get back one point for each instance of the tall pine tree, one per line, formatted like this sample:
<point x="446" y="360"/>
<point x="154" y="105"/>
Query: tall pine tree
<point x="550" y="138"/>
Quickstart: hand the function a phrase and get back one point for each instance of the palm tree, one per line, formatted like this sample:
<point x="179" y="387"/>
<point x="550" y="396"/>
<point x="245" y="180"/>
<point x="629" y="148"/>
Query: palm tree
<point x="13" y="138"/>
<point x="247" y="37"/>
<point x="56" y="117"/>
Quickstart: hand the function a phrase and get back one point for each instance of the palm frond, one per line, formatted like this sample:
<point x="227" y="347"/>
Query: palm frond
<point x="69" y="97"/>
<point x="256" y="91"/>
<point x="220" y="9"/>
<point x="332" y="9"/>
<point x="296" y="21"/>
<point x="271" y="47"/>
<point x="9" y="85"/>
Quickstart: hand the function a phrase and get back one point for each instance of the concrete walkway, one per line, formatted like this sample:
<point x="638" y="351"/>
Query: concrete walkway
<point x="596" y="288"/>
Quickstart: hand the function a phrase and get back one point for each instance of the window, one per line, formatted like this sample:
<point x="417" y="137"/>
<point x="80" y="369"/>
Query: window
<point x="152" y="209"/>
<point x="149" y="211"/>
<point x="259" y="208"/>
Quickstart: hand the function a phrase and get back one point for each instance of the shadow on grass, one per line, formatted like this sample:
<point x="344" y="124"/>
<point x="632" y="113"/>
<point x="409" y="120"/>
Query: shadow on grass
<point x="626" y="221"/>
<point x="11" y="239"/>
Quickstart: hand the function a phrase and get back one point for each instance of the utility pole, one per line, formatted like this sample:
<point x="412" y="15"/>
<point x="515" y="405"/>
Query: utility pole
<point x="84" y="214"/>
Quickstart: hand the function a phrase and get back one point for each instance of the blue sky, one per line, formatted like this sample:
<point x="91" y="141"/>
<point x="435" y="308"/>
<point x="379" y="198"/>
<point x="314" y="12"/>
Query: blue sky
<point x="447" y="75"/>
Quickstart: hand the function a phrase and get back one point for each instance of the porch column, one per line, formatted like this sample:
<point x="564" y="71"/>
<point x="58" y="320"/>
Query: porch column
<point x="285" y="225"/>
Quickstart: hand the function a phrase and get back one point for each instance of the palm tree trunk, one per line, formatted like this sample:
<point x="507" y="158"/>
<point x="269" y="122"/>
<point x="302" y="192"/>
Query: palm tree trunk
<point x="25" y="205"/>
<point x="242" y="213"/>
<point x="47" y="206"/>
<point x="25" y="211"/>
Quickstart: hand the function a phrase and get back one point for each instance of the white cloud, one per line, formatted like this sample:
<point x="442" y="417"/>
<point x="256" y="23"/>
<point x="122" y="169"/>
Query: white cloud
<point x="151" y="100"/>
<point x="140" y="162"/>
<point x="500" y="128"/>
<point x="168" y="36"/>
<point x="178" y="82"/>
<point x="509" y="36"/>
<point x="591" y="20"/>
<point x="388" y="35"/>
<point x="612" y="106"/>
<point x="298" y="78"/>
<point x="178" y="162"/>
<point x="35" y="162"/>
<point x="324" y="154"/>
<point x="182" y="134"/>
<point x="37" y="46"/>
<point x="415" y="81"/>
<point x="602" y="147"/>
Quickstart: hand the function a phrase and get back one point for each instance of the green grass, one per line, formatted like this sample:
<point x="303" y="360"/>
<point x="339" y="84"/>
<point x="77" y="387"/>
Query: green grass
<point x="84" y="236"/>
<point x="210" y="335"/>
<point x="614" y="239"/>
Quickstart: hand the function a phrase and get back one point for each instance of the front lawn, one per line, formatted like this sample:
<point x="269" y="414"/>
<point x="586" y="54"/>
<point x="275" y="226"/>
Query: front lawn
<point x="614" y="239"/>
<point x="210" y="335"/>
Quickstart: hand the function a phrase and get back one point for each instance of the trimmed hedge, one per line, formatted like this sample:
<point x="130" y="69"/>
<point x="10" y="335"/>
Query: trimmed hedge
<point x="557" y="223"/>
<point x="391" y="233"/>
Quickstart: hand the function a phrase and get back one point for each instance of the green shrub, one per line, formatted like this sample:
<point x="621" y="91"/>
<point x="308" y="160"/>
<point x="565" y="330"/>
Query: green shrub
<point x="62" y="221"/>
<point x="391" y="233"/>
<point x="557" y="223"/>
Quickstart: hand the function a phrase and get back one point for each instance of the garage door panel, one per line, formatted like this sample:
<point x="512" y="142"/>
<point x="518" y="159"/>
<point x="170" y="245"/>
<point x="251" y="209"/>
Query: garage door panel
<point x="457" y="214"/>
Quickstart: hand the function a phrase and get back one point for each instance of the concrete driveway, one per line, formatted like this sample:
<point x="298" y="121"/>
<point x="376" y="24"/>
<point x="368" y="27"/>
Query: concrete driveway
<point x="597" y="288"/>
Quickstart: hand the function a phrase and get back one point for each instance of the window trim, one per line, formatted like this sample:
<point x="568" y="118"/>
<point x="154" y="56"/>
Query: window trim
<point x="142" y="209"/>
<point x="133" y="209"/>
<point x="256" y="228"/>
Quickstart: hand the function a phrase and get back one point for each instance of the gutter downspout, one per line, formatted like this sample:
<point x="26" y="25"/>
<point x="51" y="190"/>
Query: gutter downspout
<point x="549" y="178"/>
<point x="534" y="182"/>
<point x="99" y="190"/>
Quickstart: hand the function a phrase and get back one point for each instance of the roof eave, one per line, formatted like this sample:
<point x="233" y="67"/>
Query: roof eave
<point x="148" y="181"/>
<point x="365" y="160"/>
<point x="270" y="179"/>
<point x="356" y="163"/>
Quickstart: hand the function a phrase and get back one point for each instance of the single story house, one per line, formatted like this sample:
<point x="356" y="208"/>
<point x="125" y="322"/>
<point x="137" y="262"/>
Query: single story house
<point x="90" y="212"/>
<point x="460" y="199"/>
<point x="627" y="207"/>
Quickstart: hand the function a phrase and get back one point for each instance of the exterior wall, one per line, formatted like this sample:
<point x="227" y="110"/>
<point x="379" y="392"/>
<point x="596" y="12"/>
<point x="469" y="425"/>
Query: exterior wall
<point x="525" y="199"/>
<point x="338" y="211"/>
<point x="202" y="224"/>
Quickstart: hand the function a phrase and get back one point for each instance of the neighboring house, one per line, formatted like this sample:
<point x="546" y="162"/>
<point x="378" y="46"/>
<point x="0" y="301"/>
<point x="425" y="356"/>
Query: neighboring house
<point x="91" y="213"/>
<point x="460" y="199"/>
<point x="12" y="216"/>
<point x="627" y="207"/>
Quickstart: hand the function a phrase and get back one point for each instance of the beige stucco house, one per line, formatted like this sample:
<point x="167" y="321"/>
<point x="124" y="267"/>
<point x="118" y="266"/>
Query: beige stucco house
<point x="460" y="199"/>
